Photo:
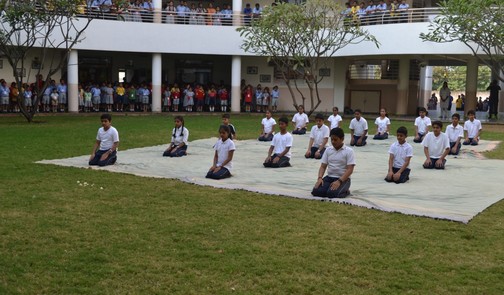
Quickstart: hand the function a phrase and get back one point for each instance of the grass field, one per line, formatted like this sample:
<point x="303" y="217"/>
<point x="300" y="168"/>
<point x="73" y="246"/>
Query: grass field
<point x="123" y="234"/>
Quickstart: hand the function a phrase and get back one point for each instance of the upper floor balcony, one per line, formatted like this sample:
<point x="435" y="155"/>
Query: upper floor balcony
<point x="215" y="33"/>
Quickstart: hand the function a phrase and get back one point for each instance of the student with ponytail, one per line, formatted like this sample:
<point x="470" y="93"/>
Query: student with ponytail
<point x="179" y="140"/>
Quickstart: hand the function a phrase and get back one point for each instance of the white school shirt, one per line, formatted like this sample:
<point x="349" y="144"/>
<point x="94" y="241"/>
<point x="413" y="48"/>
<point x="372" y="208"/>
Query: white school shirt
<point x="268" y="124"/>
<point x="223" y="149"/>
<point x="181" y="135"/>
<point x="422" y="124"/>
<point x="300" y="119"/>
<point x="472" y="128"/>
<point x="358" y="126"/>
<point x="282" y="141"/>
<point x="400" y="153"/>
<point x="318" y="135"/>
<point x="382" y="124"/>
<point x="454" y="133"/>
<point x="338" y="160"/>
<point x="107" y="138"/>
<point x="335" y="120"/>
<point x="436" y="145"/>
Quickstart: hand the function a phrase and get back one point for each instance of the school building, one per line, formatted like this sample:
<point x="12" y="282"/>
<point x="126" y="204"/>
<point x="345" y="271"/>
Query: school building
<point x="396" y="76"/>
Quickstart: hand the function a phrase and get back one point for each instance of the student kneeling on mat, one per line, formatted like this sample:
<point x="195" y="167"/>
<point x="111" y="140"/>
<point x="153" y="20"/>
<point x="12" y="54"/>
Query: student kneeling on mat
<point x="280" y="147"/>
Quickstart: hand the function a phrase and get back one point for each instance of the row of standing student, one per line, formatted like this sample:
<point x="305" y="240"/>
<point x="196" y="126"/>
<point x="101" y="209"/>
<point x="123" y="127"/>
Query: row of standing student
<point x="337" y="159"/>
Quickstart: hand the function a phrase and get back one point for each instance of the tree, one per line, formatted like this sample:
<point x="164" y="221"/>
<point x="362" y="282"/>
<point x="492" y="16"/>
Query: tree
<point x="456" y="77"/>
<point x="477" y="24"/>
<point x="300" y="39"/>
<point x="28" y="26"/>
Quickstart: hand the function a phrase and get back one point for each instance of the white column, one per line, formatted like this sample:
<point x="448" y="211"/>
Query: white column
<point x="158" y="7"/>
<point x="237" y="11"/>
<point x="156" y="82"/>
<point x="471" y="84"/>
<point x="425" y="86"/>
<point x="340" y="71"/>
<point x="403" y="87"/>
<point x="73" y="81"/>
<point x="235" y="83"/>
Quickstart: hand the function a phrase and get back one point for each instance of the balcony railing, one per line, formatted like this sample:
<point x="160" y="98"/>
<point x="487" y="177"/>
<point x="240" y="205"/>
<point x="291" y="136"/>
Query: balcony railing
<point x="134" y="14"/>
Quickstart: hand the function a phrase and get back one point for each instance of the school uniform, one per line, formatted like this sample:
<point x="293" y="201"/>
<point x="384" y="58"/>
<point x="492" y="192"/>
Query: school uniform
<point x="472" y="129"/>
<point x="318" y="135"/>
<point x="179" y="135"/>
<point x="334" y="120"/>
<point x="300" y="120"/>
<point x="62" y="94"/>
<point x="337" y="162"/>
<point x="359" y="127"/>
<point x="267" y="128"/>
<point x="4" y="95"/>
<point x="222" y="148"/>
<point x="107" y="139"/>
<point x="422" y="124"/>
<point x="400" y="153"/>
<point x="436" y="146"/>
<point x="280" y="142"/>
<point x="382" y="125"/>
<point x="454" y="134"/>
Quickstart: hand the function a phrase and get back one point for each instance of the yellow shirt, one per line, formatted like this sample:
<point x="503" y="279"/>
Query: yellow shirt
<point x="120" y="90"/>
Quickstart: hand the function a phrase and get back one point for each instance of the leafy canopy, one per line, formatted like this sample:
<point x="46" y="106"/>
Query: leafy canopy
<point x="300" y="39"/>
<point x="477" y="24"/>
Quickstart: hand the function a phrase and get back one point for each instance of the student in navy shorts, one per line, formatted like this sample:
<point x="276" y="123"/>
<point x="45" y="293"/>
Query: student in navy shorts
<point x="339" y="161"/>
<point x="107" y="140"/>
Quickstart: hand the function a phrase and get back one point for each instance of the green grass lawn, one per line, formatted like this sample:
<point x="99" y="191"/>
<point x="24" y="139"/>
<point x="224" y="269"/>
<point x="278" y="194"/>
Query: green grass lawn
<point x="123" y="234"/>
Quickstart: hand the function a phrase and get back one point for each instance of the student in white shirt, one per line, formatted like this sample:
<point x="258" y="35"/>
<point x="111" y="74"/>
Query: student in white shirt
<point x="335" y="119"/>
<point x="339" y="160"/>
<point x="279" y="153"/>
<point x="472" y="128"/>
<point x="300" y="120"/>
<point x="436" y="147"/>
<point x="422" y="125"/>
<point x="179" y="139"/>
<point x="319" y="135"/>
<point x="382" y="125"/>
<point x="358" y="130"/>
<point x="400" y="154"/>
<point x="268" y="128"/>
<point x="455" y="133"/>
<point x="223" y="156"/>
<point x="107" y="140"/>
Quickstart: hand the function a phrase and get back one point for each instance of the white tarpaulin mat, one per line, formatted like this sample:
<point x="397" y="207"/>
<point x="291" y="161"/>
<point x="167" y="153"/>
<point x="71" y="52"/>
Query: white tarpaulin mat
<point x="468" y="185"/>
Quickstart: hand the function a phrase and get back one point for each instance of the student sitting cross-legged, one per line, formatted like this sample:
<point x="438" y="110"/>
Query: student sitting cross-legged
<point x="339" y="160"/>
<point x="400" y="154"/>
<point x="268" y="128"/>
<point x="223" y="156"/>
<point x="279" y="152"/>
<point x="319" y="135"/>
<point x="179" y="139"/>
<point x="436" y="147"/>
<point x="358" y="130"/>
<point x="105" y="148"/>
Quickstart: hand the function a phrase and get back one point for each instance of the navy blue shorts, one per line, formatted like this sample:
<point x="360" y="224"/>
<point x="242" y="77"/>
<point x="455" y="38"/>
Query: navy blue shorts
<point x="313" y="150"/>
<point x="356" y="138"/>
<point x="403" y="178"/>
<point x="283" y="162"/>
<point x="110" y="160"/>
<point x="221" y="174"/>
<point x="433" y="164"/>
<point x="325" y="190"/>
<point x="171" y="152"/>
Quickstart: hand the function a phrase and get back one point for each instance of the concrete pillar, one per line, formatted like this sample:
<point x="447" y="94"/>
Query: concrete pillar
<point x="237" y="13"/>
<point x="501" y="95"/>
<point x="235" y="83"/>
<point x="471" y="84"/>
<point x="403" y="87"/>
<point x="73" y="81"/>
<point x="158" y="8"/>
<point x="425" y="86"/>
<point x="156" y="82"/>
<point x="340" y="72"/>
